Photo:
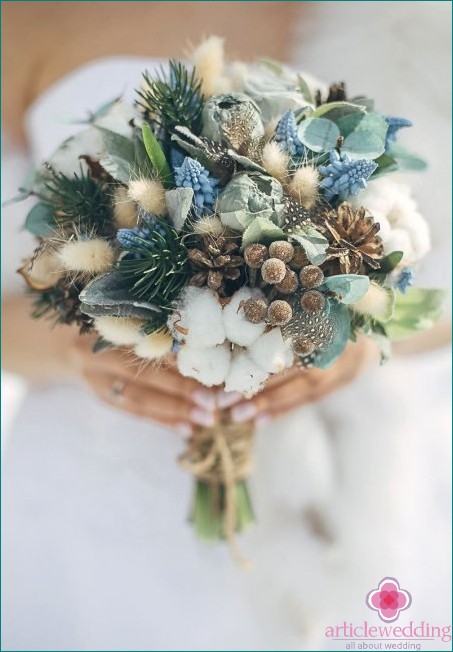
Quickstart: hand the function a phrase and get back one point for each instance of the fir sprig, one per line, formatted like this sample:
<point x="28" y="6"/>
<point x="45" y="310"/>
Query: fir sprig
<point x="156" y="263"/>
<point x="61" y="305"/>
<point x="79" y="201"/>
<point x="173" y="98"/>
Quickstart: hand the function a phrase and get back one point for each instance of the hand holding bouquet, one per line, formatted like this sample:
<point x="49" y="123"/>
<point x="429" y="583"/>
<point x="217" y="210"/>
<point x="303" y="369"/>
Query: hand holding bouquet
<point x="241" y="220"/>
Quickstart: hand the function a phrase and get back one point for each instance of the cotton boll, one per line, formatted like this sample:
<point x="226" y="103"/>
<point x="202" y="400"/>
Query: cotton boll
<point x="86" y="143"/>
<point x="155" y="345"/>
<point x="403" y="228"/>
<point x="270" y="352"/>
<point x="244" y="376"/>
<point x="377" y="302"/>
<point x="149" y="194"/>
<point x="209" y="225"/>
<point x="238" y="330"/>
<point x="209" y="365"/>
<point x="124" y="210"/>
<point x="118" y="118"/>
<point x="87" y="256"/>
<point x="304" y="186"/>
<point x="275" y="161"/>
<point x="121" y="331"/>
<point x="198" y="319"/>
<point x="208" y="59"/>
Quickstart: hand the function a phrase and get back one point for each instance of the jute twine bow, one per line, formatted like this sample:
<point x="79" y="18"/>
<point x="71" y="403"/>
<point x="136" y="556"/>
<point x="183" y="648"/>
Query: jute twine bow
<point x="221" y="455"/>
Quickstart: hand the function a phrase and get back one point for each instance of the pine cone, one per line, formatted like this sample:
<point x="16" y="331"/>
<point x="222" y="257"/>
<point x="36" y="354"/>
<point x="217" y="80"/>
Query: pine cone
<point x="355" y="244"/>
<point x="215" y="262"/>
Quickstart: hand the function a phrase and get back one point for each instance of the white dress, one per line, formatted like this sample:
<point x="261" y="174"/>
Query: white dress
<point x="97" y="551"/>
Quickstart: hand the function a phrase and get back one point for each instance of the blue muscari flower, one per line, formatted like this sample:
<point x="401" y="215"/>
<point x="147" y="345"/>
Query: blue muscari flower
<point x="176" y="158"/>
<point x="286" y="135"/>
<point x="191" y="174"/>
<point x="131" y="239"/>
<point x="394" y="124"/>
<point x="344" y="176"/>
<point x="404" y="280"/>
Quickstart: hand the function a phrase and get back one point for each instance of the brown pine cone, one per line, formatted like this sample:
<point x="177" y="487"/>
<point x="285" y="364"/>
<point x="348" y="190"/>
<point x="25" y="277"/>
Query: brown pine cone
<point x="215" y="262"/>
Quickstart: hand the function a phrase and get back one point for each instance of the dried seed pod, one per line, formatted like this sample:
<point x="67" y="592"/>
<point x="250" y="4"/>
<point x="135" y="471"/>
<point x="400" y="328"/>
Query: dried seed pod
<point x="311" y="276"/>
<point x="299" y="258"/>
<point x="289" y="283"/>
<point x="255" y="310"/>
<point x="281" y="249"/>
<point x="279" y="313"/>
<point x="255" y="254"/>
<point x="273" y="271"/>
<point x="303" y="346"/>
<point x="312" y="301"/>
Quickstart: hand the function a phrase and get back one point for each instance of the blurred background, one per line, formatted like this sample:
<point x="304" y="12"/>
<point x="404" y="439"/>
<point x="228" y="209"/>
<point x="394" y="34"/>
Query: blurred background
<point x="400" y="54"/>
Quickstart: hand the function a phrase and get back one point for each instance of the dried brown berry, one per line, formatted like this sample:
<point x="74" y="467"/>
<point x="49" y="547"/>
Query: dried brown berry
<point x="282" y="250"/>
<point x="299" y="258"/>
<point x="255" y="254"/>
<point x="311" y="276"/>
<point x="273" y="271"/>
<point x="303" y="346"/>
<point x="279" y="313"/>
<point x="312" y="301"/>
<point x="289" y="283"/>
<point x="255" y="310"/>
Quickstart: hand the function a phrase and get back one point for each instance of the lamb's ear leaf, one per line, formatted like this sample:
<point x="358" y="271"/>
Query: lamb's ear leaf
<point x="40" y="221"/>
<point x="157" y="157"/>
<point x="118" y="168"/>
<point x="179" y="202"/>
<point x="110" y="295"/>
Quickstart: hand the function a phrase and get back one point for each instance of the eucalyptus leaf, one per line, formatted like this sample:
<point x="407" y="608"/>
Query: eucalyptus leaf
<point x="416" y="310"/>
<point x="117" y="145"/>
<point x="336" y="110"/>
<point x="318" y="134"/>
<point x="179" y="202"/>
<point x="406" y="160"/>
<point x="340" y="317"/>
<point x="367" y="140"/>
<point x="348" y="288"/>
<point x="40" y="221"/>
<point x="110" y="295"/>
<point x="261" y="230"/>
<point x="314" y="243"/>
<point x="385" y="164"/>
<point x="118" y="168"/>
<point x="26" y="187"/>
<point x="157" y="157"/>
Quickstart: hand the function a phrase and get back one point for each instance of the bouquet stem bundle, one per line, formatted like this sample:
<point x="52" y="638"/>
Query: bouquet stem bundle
<point x="220" y="459"/>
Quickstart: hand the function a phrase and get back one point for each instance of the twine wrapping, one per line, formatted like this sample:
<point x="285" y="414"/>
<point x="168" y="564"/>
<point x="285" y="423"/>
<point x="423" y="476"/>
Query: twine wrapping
<point x="222" y="455"/>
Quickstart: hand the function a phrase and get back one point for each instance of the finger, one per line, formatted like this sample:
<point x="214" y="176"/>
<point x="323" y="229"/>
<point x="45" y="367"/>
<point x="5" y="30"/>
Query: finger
<point x="163" y="377"/>
<point x="149" y="403"/>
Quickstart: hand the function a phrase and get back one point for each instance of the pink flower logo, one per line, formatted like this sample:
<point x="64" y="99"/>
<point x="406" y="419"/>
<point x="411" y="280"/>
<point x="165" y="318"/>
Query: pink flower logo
<point x="388" y="599"/>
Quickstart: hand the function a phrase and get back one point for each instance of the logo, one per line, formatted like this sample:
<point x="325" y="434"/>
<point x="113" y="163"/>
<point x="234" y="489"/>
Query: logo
<point x="389" y="599"/>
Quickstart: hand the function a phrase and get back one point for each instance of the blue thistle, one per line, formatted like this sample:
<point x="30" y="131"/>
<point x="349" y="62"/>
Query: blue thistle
<point x="344" y="176"/>
<point x="405" y="279"/>
<point x="286" y="135"/>
<point x="191" y="174"/>
<point x="394" y="125"/>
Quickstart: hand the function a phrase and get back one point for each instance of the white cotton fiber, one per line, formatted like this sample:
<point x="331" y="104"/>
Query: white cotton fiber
<point x="209" y="366"/>
<point x="238" y="330"/>
<point x="198" y="318"/>
<point x="270" y="352"/>
<point x="244" y="375"/>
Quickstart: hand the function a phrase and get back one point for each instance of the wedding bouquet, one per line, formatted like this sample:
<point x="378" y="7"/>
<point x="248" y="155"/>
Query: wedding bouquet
<point x="238" y="219"/>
